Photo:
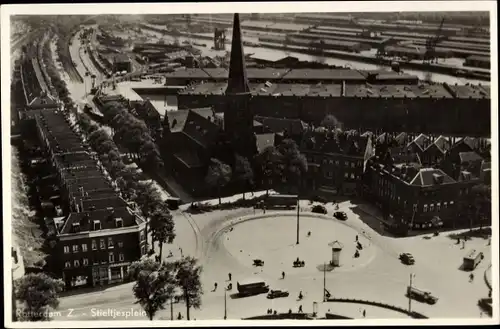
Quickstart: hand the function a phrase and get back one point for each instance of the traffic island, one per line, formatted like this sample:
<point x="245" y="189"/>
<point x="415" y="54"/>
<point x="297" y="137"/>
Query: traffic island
<point x="268" y="244"/>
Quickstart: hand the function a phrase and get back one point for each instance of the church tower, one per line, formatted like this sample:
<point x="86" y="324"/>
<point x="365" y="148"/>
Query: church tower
<point x="238" y="117"/>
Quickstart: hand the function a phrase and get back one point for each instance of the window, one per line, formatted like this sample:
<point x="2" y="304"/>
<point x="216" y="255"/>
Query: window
<point x="67" y="264"/>
<point x="425" y="208"/>
<point x="96" y="261"/>
<point x="337" y="162"/>
<point x="77" y="263"/>
<point x="66" y="249"/>
<point x="352" y="165"/>
<point x="352" y="175"/>
<point x="97" y="225"/>
<point x="94" y="245"/>
<point x="451" y="203"/>
<point x="438" y="206"/>
<point x="414" y="206"/>
<point x="75" y="248"/>
<point x="346" y="175"/>
<point x="110" y="243"/>
<point x="120" y="244"/>
<point x="84" y="247"/>
<point x="459" y="192"/>
<point x="111" y="257"/>
<point x="121" y="257"/>
<point x="347" y="163"/>
<point x="328" y="174"/>
<point x="85" y="262"/>
<point x="399" y="199"/>
<point x="431" y="207"/>
<point x="330" y="161"/>
<point x="102" y="243"/>
<point x="445" y="204"/>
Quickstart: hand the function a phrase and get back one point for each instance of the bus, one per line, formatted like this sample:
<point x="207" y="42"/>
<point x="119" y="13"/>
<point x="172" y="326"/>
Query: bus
<point x="472" y="259"/>
<point x="252" y="287"/>
<point x="281" y="200"/>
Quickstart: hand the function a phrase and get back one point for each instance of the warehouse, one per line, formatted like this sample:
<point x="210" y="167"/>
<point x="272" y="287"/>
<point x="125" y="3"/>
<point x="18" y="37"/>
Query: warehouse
<point x="349" y="46"/>
<point x="388" y="107"/>
<point x="268" y="26"/>
<point x="311" y="36"/>
<point x="121" y="63"/>
<point x="187" y="76"/>
<point x="478" y="61"/>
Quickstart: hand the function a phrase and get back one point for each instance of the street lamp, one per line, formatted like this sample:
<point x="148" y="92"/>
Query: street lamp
<point x="412" y="275"/>
<point x="225" y="304"/>
<point x="298" y="217"/>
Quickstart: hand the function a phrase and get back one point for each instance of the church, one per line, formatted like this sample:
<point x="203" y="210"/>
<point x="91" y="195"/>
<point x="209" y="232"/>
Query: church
<point x="190" y="138"/>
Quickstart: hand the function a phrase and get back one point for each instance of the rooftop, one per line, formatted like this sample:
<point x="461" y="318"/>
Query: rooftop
<point x="106" y="217"/>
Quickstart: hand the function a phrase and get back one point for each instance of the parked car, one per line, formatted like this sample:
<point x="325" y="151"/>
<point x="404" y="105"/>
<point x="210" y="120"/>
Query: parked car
<point x="319" y="209"/>
<point x="407" y="258"/>
<point x="277" y="294"/>
<point x="486" y="304"/>
<point x="340" y="215"/>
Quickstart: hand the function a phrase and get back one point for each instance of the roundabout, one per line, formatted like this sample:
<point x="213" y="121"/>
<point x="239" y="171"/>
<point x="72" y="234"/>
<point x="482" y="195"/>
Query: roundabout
<point x="272" y="239"/>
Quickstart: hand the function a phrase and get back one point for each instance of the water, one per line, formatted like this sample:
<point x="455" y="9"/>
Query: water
<point x="206" y="51"/>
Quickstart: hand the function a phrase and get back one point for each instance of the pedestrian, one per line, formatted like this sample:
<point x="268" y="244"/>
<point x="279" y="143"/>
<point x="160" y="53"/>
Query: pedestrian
<point x="283" y="275"/>
<point x="179" y="316"/>
<point x="229" y="276"/>
<point x="463" y="244"/>
<point x="356" y="238"/>
<point x="471" y="277"/>
<point x="215" y="286"/>
<point x="300" y="309"/>
<point x="364" y="313"/>
<point x="489" y="241"/>
<point x="275" y="312"/>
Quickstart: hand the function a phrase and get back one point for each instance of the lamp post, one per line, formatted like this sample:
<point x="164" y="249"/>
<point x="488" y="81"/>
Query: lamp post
<point x="409" y="292"/>
<point x="298" y="217"/>
<point x="225" y="304"/>
<point x="324" y="282"/>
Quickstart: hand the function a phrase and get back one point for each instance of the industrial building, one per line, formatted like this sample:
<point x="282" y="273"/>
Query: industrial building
<point x="462" y="110"/>
<point x="187" y="76"/>
<point x="478" y="61"/>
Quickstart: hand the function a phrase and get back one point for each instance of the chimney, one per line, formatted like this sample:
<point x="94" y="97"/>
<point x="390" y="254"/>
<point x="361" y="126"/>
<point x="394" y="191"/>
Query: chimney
<point x="111" y="212"/>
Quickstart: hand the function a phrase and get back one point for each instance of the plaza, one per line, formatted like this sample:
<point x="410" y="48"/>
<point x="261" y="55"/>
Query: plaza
<point x="377" y="275"/>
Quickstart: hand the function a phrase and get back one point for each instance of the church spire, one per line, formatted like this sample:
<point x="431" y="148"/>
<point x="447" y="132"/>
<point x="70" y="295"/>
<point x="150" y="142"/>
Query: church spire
<point x="237" y="82"/>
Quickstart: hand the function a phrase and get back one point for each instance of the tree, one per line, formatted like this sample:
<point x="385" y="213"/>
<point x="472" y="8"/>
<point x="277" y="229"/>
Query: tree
<point x="188" y="280"/>
<point x="243" y="172"/>
<point x="330" y="122"/>
<point x="162" y="227"/>
<point x="293" y="164"/>
<point x="148" y="199"/>
<point x="267" y="161"/>
<point x="218" y="175"/>
<point x="154" y="286"/>
<point x="39" y="293"/>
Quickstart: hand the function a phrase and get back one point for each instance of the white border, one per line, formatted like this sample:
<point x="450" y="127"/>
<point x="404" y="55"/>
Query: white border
<point x="246" y="7"/>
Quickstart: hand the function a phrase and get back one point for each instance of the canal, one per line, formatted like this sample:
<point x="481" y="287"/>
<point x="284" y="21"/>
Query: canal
<point x="252" y="36"/>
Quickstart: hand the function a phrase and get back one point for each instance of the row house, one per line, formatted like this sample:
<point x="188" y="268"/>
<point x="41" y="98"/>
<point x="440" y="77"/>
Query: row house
<point x="99" y="235"/>
<point x="335" y="160"/>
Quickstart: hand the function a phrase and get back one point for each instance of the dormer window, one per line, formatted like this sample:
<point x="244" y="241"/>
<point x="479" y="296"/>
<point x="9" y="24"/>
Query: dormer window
<point x="97" y="225"/>
<point x="119" y="222"/>
<point x="76" y="227"/>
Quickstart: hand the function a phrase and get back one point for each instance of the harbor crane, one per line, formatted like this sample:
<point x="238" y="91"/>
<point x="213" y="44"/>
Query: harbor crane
<point x="431" y="43"/>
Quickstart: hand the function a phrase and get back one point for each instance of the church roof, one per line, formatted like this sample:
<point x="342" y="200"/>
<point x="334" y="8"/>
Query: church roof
<point x="237" y="82"/>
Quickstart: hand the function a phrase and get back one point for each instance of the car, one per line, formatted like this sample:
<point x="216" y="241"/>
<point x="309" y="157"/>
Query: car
<point x="319" y="209"/>
<point x="407" y="258"/>
<point x="340" y="215"/>
<point x="277" y="294"/>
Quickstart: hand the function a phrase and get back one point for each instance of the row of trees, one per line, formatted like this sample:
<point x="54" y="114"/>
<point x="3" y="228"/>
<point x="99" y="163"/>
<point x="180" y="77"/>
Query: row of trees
<point x="158" y="283"/>
<point x="157" y="215"/>
<point x="55" y="78"/>
<point x="283" y="164"/>
<point x="133" y="134"/>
